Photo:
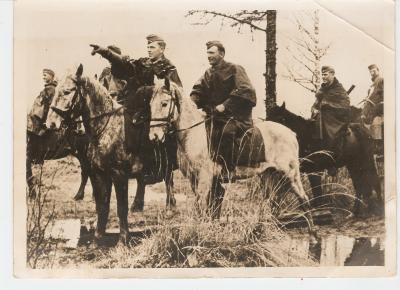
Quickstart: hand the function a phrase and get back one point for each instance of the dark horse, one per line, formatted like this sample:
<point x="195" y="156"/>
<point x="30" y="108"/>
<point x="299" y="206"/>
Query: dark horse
<point x="56" y="144"/>
<point x="356" y="156"/>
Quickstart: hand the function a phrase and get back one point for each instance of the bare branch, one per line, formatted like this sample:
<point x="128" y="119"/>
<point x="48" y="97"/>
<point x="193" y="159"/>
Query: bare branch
<point x="235" y="17"/>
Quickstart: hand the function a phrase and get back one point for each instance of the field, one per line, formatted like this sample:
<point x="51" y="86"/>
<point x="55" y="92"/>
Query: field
<point x="248" y="234"/>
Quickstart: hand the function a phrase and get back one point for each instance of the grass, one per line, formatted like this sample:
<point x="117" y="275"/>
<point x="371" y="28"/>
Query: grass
<point x="247" y="234"/>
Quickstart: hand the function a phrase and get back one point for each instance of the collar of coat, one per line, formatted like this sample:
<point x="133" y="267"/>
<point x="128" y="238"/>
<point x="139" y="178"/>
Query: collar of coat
<point x="53" y="83"/>
<point x="334" y="83"/>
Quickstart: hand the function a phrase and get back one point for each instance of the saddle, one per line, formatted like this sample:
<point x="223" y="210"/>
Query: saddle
<point x="250" y="150"/>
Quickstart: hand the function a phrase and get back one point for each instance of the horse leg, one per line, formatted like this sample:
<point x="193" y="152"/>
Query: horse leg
<point x="138" y="202"/>
<point x="30" y="178"/>
<point x="102" y="192"/>
<point x="362" y="188"/>
<point x="295" y="181"/>
<point x="215" y="197"/>
<point x="315" y="183"/>
<point x="121" y="189"/>
<point x="84" y="177"/>
<point x="169" y="182"/>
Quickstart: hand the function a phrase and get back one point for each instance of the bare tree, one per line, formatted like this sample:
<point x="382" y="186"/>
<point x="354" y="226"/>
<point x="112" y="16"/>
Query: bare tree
<point x="255" y="20"/>
<point x="306" y="51"/>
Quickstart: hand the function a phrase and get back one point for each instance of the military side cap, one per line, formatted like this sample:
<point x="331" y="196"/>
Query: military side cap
<point x="48" y="71"/>
<point x="372" y="66"/>
<point x="114" y="48"/>
<point x="327" y="68"/>
<point x="215" y="43"/>
<point x="152" y="37"/>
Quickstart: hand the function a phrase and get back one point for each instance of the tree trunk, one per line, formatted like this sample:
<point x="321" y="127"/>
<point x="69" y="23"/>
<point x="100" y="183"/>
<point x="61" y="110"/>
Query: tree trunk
<point x="270" y="53"/>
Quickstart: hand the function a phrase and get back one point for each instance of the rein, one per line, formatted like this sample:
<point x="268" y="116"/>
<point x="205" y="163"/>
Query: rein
<point x="76" y="99"/>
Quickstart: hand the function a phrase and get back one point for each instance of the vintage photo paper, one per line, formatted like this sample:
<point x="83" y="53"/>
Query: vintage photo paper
<point x="175" y="140"/>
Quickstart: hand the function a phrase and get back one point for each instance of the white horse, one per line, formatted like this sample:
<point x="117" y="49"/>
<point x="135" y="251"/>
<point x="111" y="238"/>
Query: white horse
<point x="170" y="111"/>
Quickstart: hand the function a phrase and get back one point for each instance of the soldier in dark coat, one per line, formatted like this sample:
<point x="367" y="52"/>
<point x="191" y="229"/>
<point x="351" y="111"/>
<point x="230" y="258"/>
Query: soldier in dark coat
<point x="331" y="110"/>
<point x="373" y="104"/>
<point x="38" y="114"/>
<point x="140" y="74"/>
<point x="227" y="96"/>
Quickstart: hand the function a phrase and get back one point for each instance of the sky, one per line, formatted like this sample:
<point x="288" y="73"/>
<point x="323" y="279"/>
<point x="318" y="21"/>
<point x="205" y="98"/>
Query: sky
<point x="57" y="35"/>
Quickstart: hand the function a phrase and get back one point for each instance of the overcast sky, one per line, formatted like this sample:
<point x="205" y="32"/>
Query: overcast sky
<point x="57" y="35"/>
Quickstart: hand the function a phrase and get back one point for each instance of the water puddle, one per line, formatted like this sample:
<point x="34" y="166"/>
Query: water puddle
<point x="338" y="250"/>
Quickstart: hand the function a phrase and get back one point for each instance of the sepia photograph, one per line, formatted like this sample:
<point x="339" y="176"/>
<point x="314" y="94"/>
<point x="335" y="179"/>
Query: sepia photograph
<point x="180" y="140"/>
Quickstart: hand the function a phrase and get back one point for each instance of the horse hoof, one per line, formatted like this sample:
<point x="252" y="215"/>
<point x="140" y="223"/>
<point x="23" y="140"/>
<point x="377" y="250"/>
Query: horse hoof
<point x="137" y="207"/>
<point x="79" y="196"/>
<point x="171" y="203"/>
<point x="99" y="235"/>
<point x="123" y="241"/>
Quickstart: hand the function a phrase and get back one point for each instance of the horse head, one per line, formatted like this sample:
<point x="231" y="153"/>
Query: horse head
<point x="278" y="114"/>
<point x="116" y="87"/>
<point x="66" y="103"/>
<point x="165" y="109"/>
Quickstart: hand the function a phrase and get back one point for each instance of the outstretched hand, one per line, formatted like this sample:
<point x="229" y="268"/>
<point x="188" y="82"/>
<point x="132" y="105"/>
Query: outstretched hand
<point x="96" y="49"/>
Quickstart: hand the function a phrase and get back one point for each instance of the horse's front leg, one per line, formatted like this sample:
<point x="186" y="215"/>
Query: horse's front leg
<point x="102" y="192"/>
<point x="138" y="202"/>
<point x="295" y="181"/>
<point x="84" y="176"/>
<point x="169" y="183"/>
<point x="316" y="188"/>
<point x="30" y="180"/>
<point x="120" y="181"/>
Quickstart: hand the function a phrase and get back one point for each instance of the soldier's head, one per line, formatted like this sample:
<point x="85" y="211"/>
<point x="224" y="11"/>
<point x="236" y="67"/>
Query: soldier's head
<point x="373" y="71"/>
<point x="155" y="46"/>
<point x="215" y="52"/>
<point x="48" y="75"/>
<point x="328" y="74"/>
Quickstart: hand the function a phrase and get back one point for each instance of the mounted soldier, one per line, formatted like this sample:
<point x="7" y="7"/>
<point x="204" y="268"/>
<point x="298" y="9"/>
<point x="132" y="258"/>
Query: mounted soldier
<point x="331" y="111"/>
<point x="139" y="75"/>
<point x="38" y="114"/>
<point x="227" y="96"/>
<point x="372" y="111"/>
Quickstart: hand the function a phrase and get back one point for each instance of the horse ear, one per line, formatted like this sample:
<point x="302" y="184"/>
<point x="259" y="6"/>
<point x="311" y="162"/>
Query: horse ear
<point x="167" y="83"/>
<point x="95" y="76"/>
<point x="124" y="83"/>
<point x="283" y="105"/>
<point x="106" y="84"/>
<point x="79" y="71"/>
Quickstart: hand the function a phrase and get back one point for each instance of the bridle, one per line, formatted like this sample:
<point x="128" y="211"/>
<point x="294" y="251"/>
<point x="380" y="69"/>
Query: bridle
<point x="75" y="110"/>
<point x="168" y="121"/>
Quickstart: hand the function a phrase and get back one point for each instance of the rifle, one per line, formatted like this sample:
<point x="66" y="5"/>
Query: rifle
<point x="350" y="89"/>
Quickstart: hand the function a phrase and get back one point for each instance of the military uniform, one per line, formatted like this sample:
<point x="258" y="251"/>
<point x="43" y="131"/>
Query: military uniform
<point x="373" y="105"/>
<point x="228" y="84"/>
<point x="38" y="114"/>
<point x="139" y="74"/>
<point x="333" y="105"/>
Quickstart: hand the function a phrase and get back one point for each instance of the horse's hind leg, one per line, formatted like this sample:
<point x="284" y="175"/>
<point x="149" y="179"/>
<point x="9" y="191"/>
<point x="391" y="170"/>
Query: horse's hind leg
<point x="169" y="182"/>
<point x="138" y="202"/>
<point x="215" y="198"/>
<point x="121" y="189"/>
